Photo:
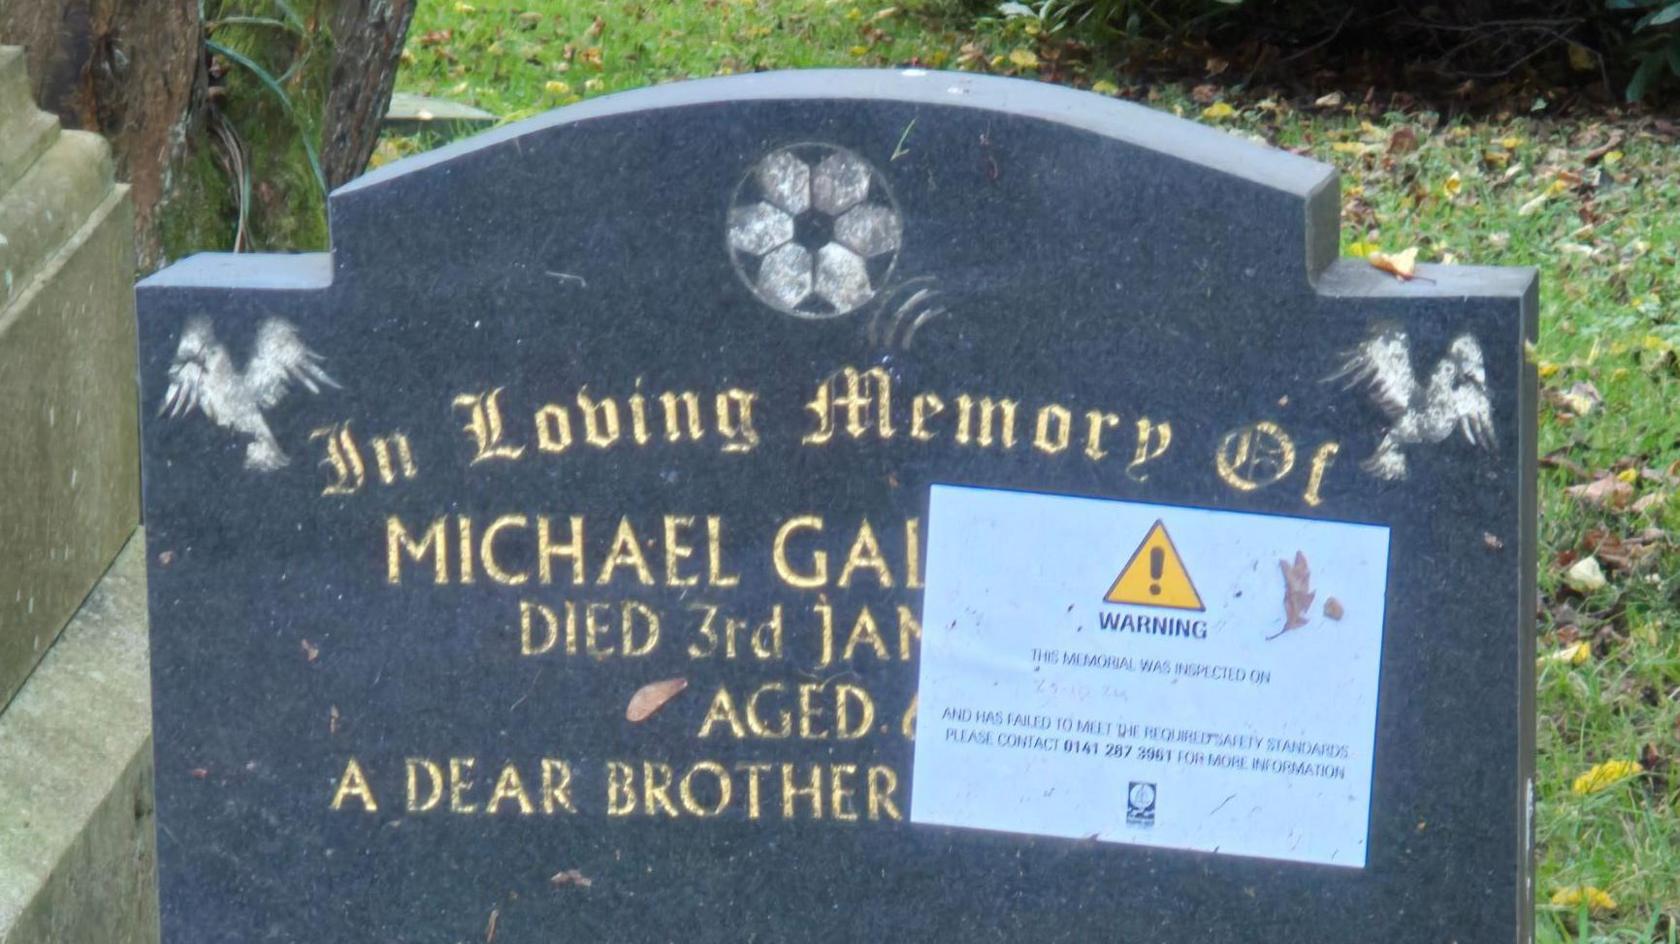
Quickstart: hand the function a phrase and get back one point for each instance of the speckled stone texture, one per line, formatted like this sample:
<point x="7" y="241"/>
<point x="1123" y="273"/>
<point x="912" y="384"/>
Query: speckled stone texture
<point x="77" y="841"/>
<point x="69" y="454"/>
<point x="957" y="234"/>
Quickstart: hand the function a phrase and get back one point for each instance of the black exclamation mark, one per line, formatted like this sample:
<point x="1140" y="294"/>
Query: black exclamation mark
<point x="1157" y="559"/>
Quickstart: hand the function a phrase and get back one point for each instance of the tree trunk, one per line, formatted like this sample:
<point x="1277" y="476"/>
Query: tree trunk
<point x="213" y="122"/>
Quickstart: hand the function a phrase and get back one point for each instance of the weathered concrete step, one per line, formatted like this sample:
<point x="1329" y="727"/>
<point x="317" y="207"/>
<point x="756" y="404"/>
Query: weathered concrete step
<point x="50" y="202"/>
<point x="77" y="847"/>
<point x="69" y="452"/>
<point x="25" y="131"/>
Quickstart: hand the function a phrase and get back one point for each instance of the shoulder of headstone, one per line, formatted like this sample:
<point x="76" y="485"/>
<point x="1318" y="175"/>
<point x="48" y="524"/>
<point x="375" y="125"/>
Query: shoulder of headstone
<point x="1357" y="278"/>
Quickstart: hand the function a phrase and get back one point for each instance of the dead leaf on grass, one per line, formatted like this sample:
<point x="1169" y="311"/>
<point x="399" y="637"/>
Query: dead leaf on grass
<point x="1606" y="491"/>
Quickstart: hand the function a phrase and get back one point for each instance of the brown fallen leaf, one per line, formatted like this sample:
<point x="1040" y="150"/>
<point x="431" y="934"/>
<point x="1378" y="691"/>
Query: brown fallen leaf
<point x="310" y="650"/>
<point x="1297" y="593"/>
<point x="1333" y="609"/>
<point x="566" y="877"/>
<point x="1492" y="541"/>
<point x="1402" y="265"/>
<point x="652" y="697"/>
<point x="1606" y="491"/>
<point x="1403" y="139"/>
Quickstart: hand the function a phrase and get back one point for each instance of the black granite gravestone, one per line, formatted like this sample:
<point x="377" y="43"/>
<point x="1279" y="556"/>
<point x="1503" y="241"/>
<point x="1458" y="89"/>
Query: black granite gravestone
<point x="577" y="551"/>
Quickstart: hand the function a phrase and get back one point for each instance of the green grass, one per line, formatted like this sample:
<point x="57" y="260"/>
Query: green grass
<point x="1512" y="189"/>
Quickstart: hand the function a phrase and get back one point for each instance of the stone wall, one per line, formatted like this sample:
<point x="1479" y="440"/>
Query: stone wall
<point x="77" y="846"/>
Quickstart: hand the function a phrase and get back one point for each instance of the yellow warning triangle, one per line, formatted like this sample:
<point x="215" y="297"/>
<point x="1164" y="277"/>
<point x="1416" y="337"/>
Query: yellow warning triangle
<point x="1155" y="576"/>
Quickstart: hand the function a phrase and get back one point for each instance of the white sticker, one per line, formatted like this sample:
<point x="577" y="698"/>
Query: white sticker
<point x="1149" y="674"/>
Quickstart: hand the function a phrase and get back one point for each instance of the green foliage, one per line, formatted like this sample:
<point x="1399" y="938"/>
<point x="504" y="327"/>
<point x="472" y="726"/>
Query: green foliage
<point x="1510" y="190"/>
<point x="1656" y="41"/>
<point x="255" y="178"/>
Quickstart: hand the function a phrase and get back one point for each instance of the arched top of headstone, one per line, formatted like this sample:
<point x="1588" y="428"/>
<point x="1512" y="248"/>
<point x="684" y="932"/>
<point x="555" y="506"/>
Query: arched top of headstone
<point x="895" y="118"/>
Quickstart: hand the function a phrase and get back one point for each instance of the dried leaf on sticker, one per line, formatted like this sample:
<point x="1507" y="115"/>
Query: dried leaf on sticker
<point x="1297" y="593"/>
<point x="1402" y="265"/>
<point x="1606" y="491"/>
<point x="1333" y="609"/>
<point x="652" y="697"/>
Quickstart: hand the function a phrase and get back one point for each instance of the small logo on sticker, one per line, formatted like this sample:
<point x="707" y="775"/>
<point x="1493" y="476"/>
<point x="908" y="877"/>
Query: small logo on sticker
<point x="1140" y="804"/>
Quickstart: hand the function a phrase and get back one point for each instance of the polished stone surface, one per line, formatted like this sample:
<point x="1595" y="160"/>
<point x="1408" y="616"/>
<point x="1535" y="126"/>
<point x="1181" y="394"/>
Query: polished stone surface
<point x="325" y="661"/>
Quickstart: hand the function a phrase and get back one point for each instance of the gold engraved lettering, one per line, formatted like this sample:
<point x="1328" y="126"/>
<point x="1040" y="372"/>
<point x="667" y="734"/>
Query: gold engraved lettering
<point x="755" y="721"/>
<point x="487" y="551"/>
<point x="753" y="771"/>
<point x="924" y="407"/>
<point x="676" y="551"/>
<point x="909" y="632"/>
<point x="682" y="412"/>
<point x="556" y="786"/>
<point x="533" y="644"/>
<point x="866" y="554"/>
<point x="621" y="788"/>
<point x="434" y="776"/>
<point x="864" y="631"/>
<point x="810" y="714"/>
<point x="792" y="792"/>
<point x="883" y="784"/>
<point x="735" y="420"/>
<point x="724" y="788"/>
<point x="912" y="553"/>
<point x="1096" y="422"/>
<point x="554" y="428"/>
<point x="1321" y="461"/>
<point x="349" y="472"/>
<point x="459" y="784"/>
<point x="1053" y="430"/>
<point x="485" y="426"/>
<point x="840" y="793"/>
<point x="510" y="787"/>
<point x="392" y="454"/>
<point x="1254" y="456"/>
<point x="996" y="421"/>
<point x="846" y="727"/>
<point x="600" y="419"/>
<point x="547" y="550"/>
<point x="1153" y="440"/>
<point x="722" y="711"/>
<point x="464" y="546"/>
<point x="354" y="785"/>
<point x="715" y="575"/>
<point x="398" y="542"/>
<point x="656" y="788"/>
<point x="817" y="576"/>
<point x="638" y="416"/>
<point x="626" y="552"/>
